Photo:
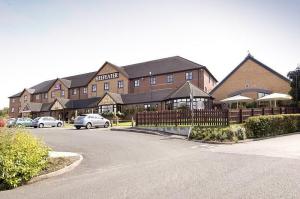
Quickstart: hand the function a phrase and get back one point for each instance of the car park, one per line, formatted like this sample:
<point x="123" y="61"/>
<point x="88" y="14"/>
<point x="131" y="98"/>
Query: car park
<point x="91" y="120"/>
<point x="41" y="122"/>
<point x="19" y="122"/>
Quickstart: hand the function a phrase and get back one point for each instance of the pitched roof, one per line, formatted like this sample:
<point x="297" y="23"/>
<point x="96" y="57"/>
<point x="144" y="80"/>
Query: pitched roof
<point x="16" y="95"/>
<point x="33" y="107"/>
<point x="154" y="96"/>
<point x="116" y="97"/>
<point x="83" y="103"/>
<point x="80" y="80"/>
<point x="43" y="86"/>
<point x="162" y="66"/>
<point x="250" y="57"/>
<point x="186" y="89"/>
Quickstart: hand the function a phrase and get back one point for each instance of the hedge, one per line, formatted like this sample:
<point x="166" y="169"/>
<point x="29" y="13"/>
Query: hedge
<point x="22" y="156"/>
<point x="271" y="125"/>
<point x="232" y="133"/>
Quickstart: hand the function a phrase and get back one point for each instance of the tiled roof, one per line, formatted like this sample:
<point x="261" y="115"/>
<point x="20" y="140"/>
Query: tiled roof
<point x="154" y="96"/>
<point x="80" y="80"/>
<point x="186" y="90"/>
<point x="162" y="66"/>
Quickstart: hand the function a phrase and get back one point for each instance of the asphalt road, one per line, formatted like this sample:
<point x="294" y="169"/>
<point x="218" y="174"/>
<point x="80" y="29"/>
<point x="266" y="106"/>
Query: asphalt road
<point x="133" y="165"/>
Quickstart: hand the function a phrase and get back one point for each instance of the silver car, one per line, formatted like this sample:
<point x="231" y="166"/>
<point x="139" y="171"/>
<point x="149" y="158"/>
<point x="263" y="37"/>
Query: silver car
<point x="91" y="120"/>
<point x="46" y="122"/>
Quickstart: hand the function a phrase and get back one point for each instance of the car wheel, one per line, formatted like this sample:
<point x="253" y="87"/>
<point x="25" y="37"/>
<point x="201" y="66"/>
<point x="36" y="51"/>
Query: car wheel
<point x="41" y="125"/>
<point x="78" y="127"/>
<point x="59" y="124"/>
<point x="106" y="125"/>
<point x="88" y="126"/>
<point x="35" y="127"/>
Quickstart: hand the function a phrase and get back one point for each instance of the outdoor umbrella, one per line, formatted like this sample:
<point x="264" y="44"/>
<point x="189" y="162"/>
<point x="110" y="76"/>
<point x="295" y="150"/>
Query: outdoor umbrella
<point x="236" y="99"/>
<point x="275" y="97"/>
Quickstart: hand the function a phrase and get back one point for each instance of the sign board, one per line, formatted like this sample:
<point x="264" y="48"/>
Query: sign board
<point x="107" y="76"/>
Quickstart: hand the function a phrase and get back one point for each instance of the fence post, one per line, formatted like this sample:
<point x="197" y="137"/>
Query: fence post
<point x="241" y="115"/>
<point x="252" y="112"/>
<point x="263" y="111"/>
<point x="227" y="117"/>
<point x="272" y="111"/>
<point x="280" y="110"/>
<point x="136" y="119"/>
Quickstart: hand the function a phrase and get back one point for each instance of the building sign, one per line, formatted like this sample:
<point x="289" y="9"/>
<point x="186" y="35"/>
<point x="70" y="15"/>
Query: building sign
<point x="107" y="76"/>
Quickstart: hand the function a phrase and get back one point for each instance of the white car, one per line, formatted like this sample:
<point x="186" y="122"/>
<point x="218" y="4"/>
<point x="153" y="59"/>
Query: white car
<point x="91" y="120"/>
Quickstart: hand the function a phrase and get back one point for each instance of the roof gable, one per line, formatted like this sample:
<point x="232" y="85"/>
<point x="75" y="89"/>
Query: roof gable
<point x="250" y="58"/>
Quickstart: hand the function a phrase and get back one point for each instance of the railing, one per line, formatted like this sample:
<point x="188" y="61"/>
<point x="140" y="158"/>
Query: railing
<point x="182" y="118"/>
<point x="206" y="117"/>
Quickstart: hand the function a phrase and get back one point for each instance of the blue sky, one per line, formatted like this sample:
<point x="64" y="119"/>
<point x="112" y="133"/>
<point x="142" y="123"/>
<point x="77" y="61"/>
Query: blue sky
<point x="41" y="40"/>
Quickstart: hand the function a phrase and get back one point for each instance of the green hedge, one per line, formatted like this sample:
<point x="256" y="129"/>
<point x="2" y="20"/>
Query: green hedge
<point x="271" y="125"/>
<point x="22" y="156"/>
<point x="220" y="134"/>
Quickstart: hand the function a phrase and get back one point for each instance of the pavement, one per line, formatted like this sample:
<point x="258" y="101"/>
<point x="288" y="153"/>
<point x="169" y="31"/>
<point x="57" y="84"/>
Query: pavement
<point x="120" y="164"/>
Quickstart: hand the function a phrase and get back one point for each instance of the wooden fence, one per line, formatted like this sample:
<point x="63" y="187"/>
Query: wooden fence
<point x="206" y="117"/>
<point x="240" y="115"/>
<point x="183" y="117"/>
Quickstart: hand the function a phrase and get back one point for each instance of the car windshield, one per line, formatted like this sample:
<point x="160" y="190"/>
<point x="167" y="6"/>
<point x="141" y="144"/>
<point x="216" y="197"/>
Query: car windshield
<point x="36" y="119"/>
<point x="81" y="117"/>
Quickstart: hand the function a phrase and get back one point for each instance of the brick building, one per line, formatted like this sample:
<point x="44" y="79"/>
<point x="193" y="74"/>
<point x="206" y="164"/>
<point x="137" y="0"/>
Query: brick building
<point x="253" y="79"/>
<point x="160" y="84"/>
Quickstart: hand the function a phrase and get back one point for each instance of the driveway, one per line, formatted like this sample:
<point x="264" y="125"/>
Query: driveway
<point x="132" y="165"/>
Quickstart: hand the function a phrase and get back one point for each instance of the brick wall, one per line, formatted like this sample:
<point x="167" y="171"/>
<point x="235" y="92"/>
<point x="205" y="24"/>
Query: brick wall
<point x="251" y="76"/>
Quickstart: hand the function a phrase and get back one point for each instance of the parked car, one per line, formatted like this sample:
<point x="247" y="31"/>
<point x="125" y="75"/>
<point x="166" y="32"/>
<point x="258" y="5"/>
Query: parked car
<point x="91" y="120"/>
<point x="46" y="122"/>
<point x="19" y="122"/>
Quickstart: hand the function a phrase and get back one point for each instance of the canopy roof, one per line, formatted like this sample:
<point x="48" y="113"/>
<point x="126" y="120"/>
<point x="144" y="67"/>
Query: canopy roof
<point x="275" y="96"/>
<point x="237" y="98"/>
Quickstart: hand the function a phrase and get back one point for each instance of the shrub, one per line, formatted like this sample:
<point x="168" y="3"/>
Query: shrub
<point x="271" y="125"/>
<point x="221" y="134"/>
<point x="22" y="156"/>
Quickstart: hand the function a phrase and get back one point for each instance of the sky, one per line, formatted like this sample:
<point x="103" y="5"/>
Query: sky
<point x="43" y="40"/>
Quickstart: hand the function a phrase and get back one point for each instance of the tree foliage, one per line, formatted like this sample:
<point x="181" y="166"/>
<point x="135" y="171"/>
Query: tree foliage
<point x="294" y="76"/>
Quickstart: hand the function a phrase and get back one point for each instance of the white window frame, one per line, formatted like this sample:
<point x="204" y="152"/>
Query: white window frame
<point x="37" y="97"/>
<point x="136" y="83"/>
<point x="74" y="91"/>
<point x="170" y="78"/>
<point x="106" y="86"/>
<point x="62" y="93"/>
<point x="121" y="84"/>
<point x="85" y="90"/>
<point x="189" y="75"/>
<point x="94" y="88"/>
<point x="153" y="80"/>
<point x="12" y="109"/>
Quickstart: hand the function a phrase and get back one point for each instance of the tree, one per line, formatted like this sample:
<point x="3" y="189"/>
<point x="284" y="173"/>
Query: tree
<point x="295" y="84"/>
<point x="4" y="112"/>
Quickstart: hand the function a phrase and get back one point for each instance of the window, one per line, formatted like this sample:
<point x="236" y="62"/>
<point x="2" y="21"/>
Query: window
<point x="189" y="75"/>
<point x="136" y="83"/>
<point x="152" y="80"/>
<point x="12" y="109"/>
<point x="52" y="94"/>
<point x="94" y="88"/>
<point x="120" y="84"/>
<point x="74" y="91"/>
<point x="13" y="100"/>
<point x="46" y="96"/>
<point x="106" y="86"/>
<point x="147" y="106"/>
<point x="85" y="90"/>
<point x="62" y="93"/>
<point x="169" y="78"/>
<point x="37" y="97"/>
<point x="25" y="98"/>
